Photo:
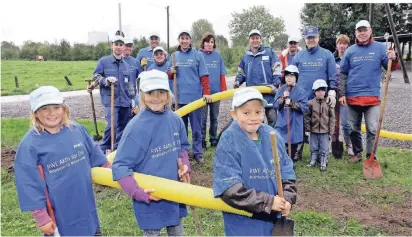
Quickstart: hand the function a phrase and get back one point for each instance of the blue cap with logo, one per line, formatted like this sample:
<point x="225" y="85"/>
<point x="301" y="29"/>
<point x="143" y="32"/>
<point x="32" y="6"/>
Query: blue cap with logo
<point x="310" y="31"/>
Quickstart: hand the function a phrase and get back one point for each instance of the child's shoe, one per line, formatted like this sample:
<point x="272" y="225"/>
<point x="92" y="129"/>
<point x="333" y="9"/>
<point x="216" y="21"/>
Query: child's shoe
<point x="323" y="168"/>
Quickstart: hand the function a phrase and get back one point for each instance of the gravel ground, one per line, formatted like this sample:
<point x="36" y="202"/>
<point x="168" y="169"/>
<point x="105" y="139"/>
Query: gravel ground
<point x="397" y="113"/>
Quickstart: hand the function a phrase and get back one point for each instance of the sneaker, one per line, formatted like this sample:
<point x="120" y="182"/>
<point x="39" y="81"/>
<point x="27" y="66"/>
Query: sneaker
<point x="311" y="165"/>
<point x="323" y="168"/>
<point x="355" y="158"/>
<point x="199" y="158"/>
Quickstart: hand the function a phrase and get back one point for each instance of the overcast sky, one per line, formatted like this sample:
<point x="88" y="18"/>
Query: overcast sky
<point x="52" y="20"/>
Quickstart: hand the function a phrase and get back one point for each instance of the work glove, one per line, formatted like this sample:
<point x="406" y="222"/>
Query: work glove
<point x="288" y="102"/>
<point x="286" y="93"/>
<point x="307" y="134"/>
<point x="109" y="80"/>
<point x="207" y="98"/>
<point x="144" y="195"/>
<point x="143" y="62"/>
<point x="173" y="69"/>
<point x="331" y="99"/>
<point x="236" y="85"/>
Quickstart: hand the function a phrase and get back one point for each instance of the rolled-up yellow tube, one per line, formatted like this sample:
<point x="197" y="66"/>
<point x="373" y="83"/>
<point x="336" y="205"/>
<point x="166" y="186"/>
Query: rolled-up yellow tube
<point x="167" y="189"/>
<point x="392" y="135"/>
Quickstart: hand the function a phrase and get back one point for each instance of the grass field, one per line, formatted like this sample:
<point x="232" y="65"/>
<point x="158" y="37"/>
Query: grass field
<point x="318" y="212"/>
<point x="32" y="74"/>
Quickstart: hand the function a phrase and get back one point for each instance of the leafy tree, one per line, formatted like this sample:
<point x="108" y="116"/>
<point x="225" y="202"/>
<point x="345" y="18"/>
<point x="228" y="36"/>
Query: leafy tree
<point x="9" y="50"/>
<point x="221" y="42"/>
<point x="280" y="41"/>
<point x="199" y="28"/>
<point x="256" y="17"/>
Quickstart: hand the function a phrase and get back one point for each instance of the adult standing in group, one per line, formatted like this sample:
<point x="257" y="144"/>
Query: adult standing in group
<point x="192" y="84"/>
<point x="134" y="69"/>
<point x="113" y="69"/>
<point x="342" y="44"/>
<point x="145" y="55"/>
<point x="260" y="66"/>
<point x="217" y="71"/>
<point x="287" y="55"/>
<point x="314" y="63"/>
<point x="359" y="87"/>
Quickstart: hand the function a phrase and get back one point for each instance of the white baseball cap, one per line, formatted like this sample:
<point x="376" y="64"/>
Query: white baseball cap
<point x="363" y="23"/>
<point x="318" y="84"/>
<point x="154" y="80"/>
<point x="117" y="38"/>
<point x="155" y="34"/>
<point x="184" y="32"/>
<point x="292" y="69"/>
<point x="255" y="32"/>
<point x="159" y="48"/>
<point x="45" y="95"/>
<point x="128" y="41"/>
<point x="292" y="38"/>
<point x="243" y="95"/>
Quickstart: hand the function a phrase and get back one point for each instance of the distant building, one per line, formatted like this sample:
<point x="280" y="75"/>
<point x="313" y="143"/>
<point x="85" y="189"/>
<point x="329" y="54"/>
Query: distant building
<point x="96" y="37"/>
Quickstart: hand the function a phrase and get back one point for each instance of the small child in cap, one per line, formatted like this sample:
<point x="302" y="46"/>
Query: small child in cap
<point x="319" y="124"/>
<point x="291" y="97"/>
<point x="154" y="142"/>
<point x="244" y="174"/>
<point x="65" y="152"/>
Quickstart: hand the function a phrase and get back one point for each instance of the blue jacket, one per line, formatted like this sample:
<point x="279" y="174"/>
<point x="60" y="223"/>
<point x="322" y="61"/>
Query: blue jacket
<point x="262" y="68"/>
<point x="297" y="95"/>
<point x="191" y="67"/>
<point x="216" y="67"/>
<point x="313" y="64"/>
<point x="67" y="158"/>
<point x="134" y="68"/>
<point x="238" y="159"/>
<point x="363" y="64"/>
<point x="145" y="53"/>
<point x="142" y="149"/>
<point x="108" y="66"/>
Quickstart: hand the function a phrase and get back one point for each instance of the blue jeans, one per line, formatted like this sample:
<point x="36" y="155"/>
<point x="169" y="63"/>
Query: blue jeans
<point x="319" y="144"/>
<point x="171" y="231"/>
<point x="344" y="121"/>
<point x="355" y="114"/>
<point x="214" y="115"/>
<point x="195" y="118"/>
<point x="122" y="116"/>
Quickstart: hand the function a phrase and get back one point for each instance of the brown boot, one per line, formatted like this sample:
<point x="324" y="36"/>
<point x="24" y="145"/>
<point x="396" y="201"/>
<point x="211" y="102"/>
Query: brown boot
<point x="355" y="158"/>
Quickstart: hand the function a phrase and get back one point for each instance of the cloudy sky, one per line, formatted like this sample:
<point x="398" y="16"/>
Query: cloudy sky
<point x="52" y="20"/>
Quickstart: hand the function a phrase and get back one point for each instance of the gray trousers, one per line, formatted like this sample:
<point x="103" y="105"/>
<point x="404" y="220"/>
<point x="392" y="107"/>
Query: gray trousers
<point x="176" y="230"/>
<point x="319" y="144"/>
<point x="355" y="114"/>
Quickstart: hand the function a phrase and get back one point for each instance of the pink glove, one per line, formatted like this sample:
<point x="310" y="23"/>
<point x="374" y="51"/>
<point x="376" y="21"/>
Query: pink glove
<point x="131" y="188"/>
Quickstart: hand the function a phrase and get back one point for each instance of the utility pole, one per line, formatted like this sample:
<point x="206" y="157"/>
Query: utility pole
<point x="371" y="15"/>
<point x="395" y="39"/>
<point x="120" y="17"/>
<point x="167" y="12"/>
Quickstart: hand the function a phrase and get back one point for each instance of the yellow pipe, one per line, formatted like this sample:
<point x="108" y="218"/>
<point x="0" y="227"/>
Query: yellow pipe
<point x="167" y="189"/>
<point x="392" y="135"/>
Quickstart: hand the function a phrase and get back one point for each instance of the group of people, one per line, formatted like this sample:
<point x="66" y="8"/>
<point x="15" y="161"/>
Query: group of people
<point x="304" y="96"/>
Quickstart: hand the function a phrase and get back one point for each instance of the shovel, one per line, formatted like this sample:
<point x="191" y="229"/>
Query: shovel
<point x="175" y="83"/>
<point x="112" y="117"/>
<point x="286" y="226"/>
<point x="371" y="167"/>
<point x="96" y="137"/>
<point x="48" y="203"/>
<point x="337" y="143"/>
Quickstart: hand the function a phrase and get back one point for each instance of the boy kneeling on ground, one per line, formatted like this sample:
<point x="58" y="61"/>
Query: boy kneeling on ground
<point x="244" y="175"/>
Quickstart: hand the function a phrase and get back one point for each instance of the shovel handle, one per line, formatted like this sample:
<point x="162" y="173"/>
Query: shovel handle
<point x="48" y="203"/>
<point x="175" y="82"/>
<point x="276" y="163"/>
<point x="112" y="116"/>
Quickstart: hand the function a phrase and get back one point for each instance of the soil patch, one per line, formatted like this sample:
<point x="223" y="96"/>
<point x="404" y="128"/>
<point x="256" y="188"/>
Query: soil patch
<point x="7" y="159"/>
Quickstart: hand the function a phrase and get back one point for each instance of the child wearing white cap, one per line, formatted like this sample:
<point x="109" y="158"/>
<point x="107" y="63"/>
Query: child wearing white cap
<point x="319" y="124"/>
<point x="66" y="152"/>
<point x="154" y="142"/>
<point x="244" y="175"/>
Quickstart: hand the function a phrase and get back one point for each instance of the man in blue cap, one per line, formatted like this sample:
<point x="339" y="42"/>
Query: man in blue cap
<point x="260" y="66"/>
<point x="145" y="55"/>
<point x="314" y="63"/>
<point x="113" y="69"/>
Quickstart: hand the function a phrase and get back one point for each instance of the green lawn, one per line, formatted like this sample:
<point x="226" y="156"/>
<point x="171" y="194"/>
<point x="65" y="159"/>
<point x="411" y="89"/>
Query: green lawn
<point x="32" y="74"/>
<point x="117" y="218"/>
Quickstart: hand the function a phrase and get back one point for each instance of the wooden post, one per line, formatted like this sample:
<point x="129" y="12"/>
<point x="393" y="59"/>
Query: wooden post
<point x="16" y="82"/>
<point x="68" y="81"/>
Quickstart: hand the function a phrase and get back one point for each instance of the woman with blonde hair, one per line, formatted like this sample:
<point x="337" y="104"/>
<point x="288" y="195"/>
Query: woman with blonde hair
<point x="65" y="152"/>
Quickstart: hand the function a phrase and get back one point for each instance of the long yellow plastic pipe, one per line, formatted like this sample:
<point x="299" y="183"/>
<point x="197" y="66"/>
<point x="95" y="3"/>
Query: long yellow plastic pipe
<point x="392" y="135"/>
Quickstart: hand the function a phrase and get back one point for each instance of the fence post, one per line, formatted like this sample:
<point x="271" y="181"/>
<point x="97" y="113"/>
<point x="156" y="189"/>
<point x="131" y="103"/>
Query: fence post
<point x="16" y="82"/>
<point x="68" y="81"/>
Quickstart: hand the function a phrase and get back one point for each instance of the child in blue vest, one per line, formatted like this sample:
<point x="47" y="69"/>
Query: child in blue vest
<point x="152" y="143"/>
<point x="66" y="152"/>
<point x="244" y="175"/>
<point x="319" y="124"/>
<point x="293" y="98"/>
